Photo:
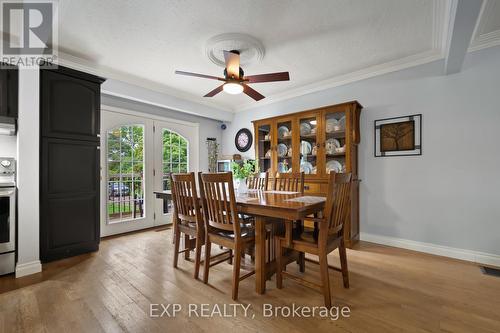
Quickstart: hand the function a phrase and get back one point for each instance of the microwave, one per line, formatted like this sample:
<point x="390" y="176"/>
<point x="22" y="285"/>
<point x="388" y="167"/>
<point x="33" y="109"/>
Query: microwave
<point x="224" y="165"/>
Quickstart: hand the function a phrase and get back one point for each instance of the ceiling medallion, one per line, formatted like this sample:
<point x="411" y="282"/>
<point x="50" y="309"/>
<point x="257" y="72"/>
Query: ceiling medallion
<point x="251" y="49"/>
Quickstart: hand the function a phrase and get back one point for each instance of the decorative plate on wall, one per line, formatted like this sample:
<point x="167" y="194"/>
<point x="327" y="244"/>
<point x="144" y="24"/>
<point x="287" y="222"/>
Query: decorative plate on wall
<point x="243" y="140"/>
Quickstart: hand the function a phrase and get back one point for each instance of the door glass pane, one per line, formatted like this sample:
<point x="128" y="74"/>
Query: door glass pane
<point x="4" y="219"/>
<point x="125" y="199"/>
<point x="284" y="148"/>
<point x="335" y="142"/>
<point x="264" y="149"/>
<point x="308" y="145"/>
<point x="175" y="159"/>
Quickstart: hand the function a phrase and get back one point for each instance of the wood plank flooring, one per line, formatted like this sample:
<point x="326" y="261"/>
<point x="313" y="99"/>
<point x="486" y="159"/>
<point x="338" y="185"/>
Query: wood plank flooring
<point x="392" y="290"/>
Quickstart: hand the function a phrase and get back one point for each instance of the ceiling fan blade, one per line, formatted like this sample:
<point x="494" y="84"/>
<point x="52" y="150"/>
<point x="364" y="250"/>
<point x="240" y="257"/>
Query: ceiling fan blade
<point x="203" y="76"/>
<point x="252" y="93"/>
<point x="232" y="64"/>
<point x="271" y="77"/>
<point x="214" y="92"/>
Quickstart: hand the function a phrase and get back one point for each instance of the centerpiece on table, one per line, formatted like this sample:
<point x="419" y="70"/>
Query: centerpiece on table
<point x="241" y="171"/>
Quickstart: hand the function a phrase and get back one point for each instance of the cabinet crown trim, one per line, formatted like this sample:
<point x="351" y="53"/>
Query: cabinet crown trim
<point x="355" y="102"/>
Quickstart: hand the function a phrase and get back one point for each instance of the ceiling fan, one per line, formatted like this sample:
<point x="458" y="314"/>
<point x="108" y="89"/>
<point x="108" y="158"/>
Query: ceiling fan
<point x="235" y="81"/>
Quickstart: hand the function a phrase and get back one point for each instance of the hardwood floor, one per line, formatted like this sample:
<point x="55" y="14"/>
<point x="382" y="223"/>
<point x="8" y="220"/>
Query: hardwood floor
<point x="392" y="290"/>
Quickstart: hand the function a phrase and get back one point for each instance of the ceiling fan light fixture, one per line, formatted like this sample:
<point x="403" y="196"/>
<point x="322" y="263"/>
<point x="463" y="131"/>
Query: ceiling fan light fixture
<point x="233" y="88"/>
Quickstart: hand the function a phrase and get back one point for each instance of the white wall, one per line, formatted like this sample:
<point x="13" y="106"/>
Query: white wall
<point x="208" y="128"/>
<point x="8" y="146"/>
<point x="450" y="196"/>
<point x="28" y="223"/>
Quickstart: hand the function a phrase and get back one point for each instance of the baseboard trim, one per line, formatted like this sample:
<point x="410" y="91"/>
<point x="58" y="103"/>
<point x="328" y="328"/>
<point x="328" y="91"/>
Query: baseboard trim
<point x="440" y="250"/>
<point x="28" y="268"/>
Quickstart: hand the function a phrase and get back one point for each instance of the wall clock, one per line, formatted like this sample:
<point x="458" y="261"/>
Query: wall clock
<point x="243" y="140"/>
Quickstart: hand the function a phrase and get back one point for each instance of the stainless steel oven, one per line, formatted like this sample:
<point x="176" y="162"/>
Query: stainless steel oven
<point x="7" y="216"/>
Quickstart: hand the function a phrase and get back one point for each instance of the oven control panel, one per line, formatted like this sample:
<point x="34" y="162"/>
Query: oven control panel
<point x="7" y="165"/>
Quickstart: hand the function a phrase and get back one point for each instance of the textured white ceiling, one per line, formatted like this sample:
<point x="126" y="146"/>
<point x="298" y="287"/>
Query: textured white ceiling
<point x="314" y="40"/>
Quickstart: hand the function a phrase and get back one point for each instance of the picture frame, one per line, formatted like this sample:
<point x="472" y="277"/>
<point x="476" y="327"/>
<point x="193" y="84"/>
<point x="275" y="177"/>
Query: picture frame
<point x="398" y="136"/>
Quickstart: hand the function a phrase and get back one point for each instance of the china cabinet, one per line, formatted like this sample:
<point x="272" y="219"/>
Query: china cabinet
<point x="316" y="142"/>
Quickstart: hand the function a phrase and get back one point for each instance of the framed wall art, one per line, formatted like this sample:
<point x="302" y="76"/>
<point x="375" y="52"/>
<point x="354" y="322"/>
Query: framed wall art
<point x="399" y="136"/>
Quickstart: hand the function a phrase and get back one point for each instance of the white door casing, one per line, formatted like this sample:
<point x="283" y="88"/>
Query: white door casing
<point x="112" y="117"/>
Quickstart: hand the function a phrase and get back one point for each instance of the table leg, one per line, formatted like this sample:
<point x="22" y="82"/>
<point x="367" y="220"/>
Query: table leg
<point x="260" y="255"/>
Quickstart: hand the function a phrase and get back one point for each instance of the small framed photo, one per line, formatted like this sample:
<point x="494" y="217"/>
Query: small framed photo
<point x="399" y="136"/>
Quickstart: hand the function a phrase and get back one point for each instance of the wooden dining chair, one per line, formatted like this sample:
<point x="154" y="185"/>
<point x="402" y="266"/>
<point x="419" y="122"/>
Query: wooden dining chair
<point x="188" y="218"/>
<point x="329" y="237"/>
<point x="223" y="225"/>
<point x="293" y="182"/>
<point x="258" y="181"/>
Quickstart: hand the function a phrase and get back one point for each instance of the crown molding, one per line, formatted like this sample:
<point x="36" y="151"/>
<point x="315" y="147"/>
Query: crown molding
<point x="65" y="59"/>
<point x="479" y="40"/>
<point x="486" y="40"/>
<point x="366" y="73"/>
<point x="392" y="66"/>
<point x="441" y="15"/>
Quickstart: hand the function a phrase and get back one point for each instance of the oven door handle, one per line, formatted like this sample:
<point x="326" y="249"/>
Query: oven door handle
<point x="4" y="193"/>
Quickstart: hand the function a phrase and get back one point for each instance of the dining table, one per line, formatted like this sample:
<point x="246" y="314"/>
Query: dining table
<point x="267" y="207"/>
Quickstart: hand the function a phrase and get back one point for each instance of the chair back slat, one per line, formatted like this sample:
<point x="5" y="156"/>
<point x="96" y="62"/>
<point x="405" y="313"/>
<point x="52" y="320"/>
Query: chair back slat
<point x="185" y="199"/>
<point x="293" y="182"/>
<point x="337" y="201"/>
<point x="258" y="181"/>
<point x="219" y="201"/>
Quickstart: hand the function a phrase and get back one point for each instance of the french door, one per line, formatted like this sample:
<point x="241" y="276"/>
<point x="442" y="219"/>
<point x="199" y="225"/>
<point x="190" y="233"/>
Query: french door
<point x="138" y="153"/>
<point x="176" y="150"/>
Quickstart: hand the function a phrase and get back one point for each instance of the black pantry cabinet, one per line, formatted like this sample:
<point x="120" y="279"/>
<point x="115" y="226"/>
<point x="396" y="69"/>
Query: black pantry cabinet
<point x="9" y="78"/>
<point x="69" y="163"/>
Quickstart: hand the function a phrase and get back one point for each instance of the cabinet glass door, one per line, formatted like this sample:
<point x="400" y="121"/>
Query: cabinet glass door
<point x="335" y="142"/>
<point x="284" y="146"/>
<point x="264" y="147"/>
<point x="309" y="145"/>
